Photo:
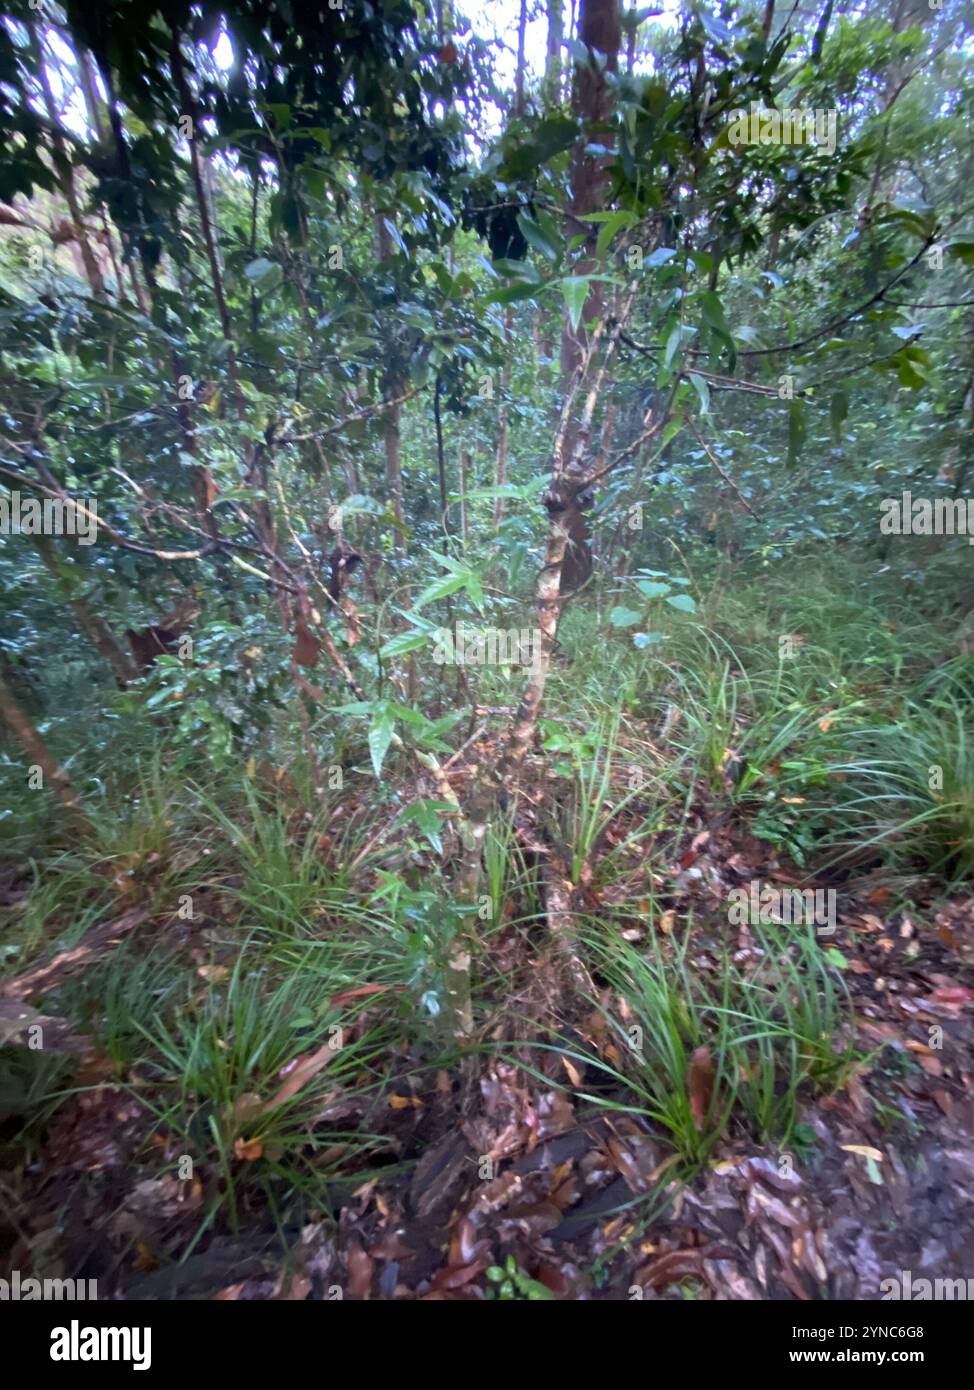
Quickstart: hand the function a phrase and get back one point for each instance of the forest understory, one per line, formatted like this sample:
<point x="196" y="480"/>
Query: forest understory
<point x="783" y="1129"/>
<point x="487" y="653"/>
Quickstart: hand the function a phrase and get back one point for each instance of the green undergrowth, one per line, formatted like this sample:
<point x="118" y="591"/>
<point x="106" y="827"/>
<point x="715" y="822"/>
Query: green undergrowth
<point x="279" y="916"/>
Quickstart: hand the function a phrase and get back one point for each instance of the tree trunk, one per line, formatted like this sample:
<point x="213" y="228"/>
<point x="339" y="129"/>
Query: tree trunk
<point x="65" y="177"/>
<point x="631" y="38"/>
<point x="500" y="473"/>
<point x="38" y="754"/>
<point x="552" y="72"/>
<point x="188" y="104"/>
<point x="92" y="624"/>
<point x="598" y="29"/>
<point x="390" y="429"/>
<point x="441" y="459"/>
<point x="519" y="74"/>
<point x="87" y="74"/>
<point x="464" y="486"/>
<point x="584" y="381"/>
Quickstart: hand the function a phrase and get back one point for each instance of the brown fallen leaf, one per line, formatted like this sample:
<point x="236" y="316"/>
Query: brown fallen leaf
<point x="300" y="1071"/>
<point x="405" y="1102"/>
<point x="248" y="1149"/>
<point x="700" y="1084"/>
<point x="574" y="1075"/>
<point x="145" y="1258"/>
<point x="944" y="1099"/>
<point x="294" y="1289"/>
<point x="671" y="1268"/>
<point x="359" y="1271"/>
<point x="953" y="996"/>
<point x="864" y="1151"/>
<point x="345" y="996"/>
<point x="213" y="973"/>
<point x="464" y="1274"/>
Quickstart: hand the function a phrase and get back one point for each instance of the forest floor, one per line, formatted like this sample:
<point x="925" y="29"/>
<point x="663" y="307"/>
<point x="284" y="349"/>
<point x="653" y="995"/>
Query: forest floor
<point x="524" y="1154"/>
<point x="227" y="1068"/>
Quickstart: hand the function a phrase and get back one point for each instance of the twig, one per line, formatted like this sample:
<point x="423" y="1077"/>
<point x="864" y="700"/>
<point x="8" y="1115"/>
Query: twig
<point x="363" y="414"/>
<point x="725" y="475"/>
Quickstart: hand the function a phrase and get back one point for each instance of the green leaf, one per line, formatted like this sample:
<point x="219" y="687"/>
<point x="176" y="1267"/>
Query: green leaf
<point x="408" y="714"/>
<point x="429" y="736"/>
<point x="673" y="343"/>
<point x="426" y="814"/>
<point x="611" y="228"/>
<point x="404" y="642"/>
<point x="554" y="134"/>
<point x="647" y="639"/>
<point x="962" y="250"/>
<point x="623" y="617"/>
<point x="909" y="373"/>
<point x="652" y="588"/>
<point x="574" y="288"/>
<point x="920" y="225"/>
<point x="713" y="313"/>
<point x="520" y="270"/>
<point x="449" y="562"/>
<point x="380" y="736"/>
<point x="441" y="588"/>
<point x="702" y="390"/>
<point x="536" y="1292"/>
<point x="263" y="274"/>
<point x="395" y="235"/>
<point x="716" y="320"/>
<point x="511" y="294"/>
<point x="475" y="590"/>
<point x="672" y="429"/>
<point x="357" y="707"/>
<point x="535" y="237"/>
<point x="683" y="602"/>
<point x="796" y="431"/>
